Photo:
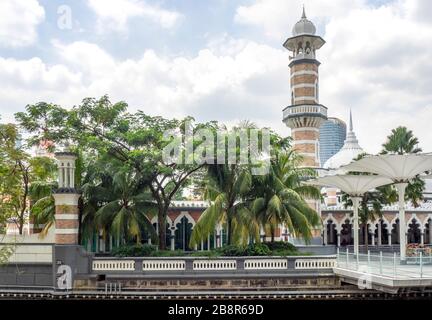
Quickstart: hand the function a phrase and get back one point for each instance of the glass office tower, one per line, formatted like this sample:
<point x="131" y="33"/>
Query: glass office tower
<point x="332" y="137"/>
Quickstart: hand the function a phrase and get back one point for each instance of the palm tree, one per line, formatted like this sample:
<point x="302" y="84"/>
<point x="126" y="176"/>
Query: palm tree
<point x="402" y="141"/>
<point x="227" y="186"/>
<point x="279" y="197"/>
<point x="127" y="214"/>
<point x="43" y="206"/>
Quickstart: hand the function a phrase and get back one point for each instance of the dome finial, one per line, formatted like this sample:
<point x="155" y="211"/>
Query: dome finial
<point x="304" y="13"/>
<point x="351" y="127"/>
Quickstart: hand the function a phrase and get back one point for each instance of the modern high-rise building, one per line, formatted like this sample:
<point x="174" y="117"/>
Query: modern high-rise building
<point x="332" y="137"/>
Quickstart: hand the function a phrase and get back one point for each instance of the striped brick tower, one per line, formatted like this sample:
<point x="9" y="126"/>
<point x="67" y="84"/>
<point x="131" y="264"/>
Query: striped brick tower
<point x="305" y="115"/>
<point x="66" y="200"/>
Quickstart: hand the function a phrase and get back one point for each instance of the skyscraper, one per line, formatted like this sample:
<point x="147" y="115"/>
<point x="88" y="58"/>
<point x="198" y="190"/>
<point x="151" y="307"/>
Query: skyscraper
<point x="332" y="137"/>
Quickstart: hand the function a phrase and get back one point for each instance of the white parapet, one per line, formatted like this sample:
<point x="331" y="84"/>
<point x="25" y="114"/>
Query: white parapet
<point x="21" y="253"/>
<point x="160" y="265"/>
<point x="309" y="264"/>
<point x="113" y="265"/>
<point x="266" y="264"/>
<point x="214" y="265"/>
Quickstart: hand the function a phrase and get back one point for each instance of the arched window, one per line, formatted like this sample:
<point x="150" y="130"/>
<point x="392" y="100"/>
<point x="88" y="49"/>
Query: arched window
<point x="308" y="49"/>
<point x="300" y="48"/>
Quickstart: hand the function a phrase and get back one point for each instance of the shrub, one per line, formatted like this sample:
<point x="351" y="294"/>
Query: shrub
<point x="168" y="253"/>
<point x="281" y="246"/>
<point x="232" y="251"/>
<point x="256" y="249"/>
<point x="136" y="250"/>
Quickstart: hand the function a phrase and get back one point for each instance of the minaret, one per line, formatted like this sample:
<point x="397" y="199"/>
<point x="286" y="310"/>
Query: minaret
<point x="305" y="114"/>
<point x="66" y="200"/>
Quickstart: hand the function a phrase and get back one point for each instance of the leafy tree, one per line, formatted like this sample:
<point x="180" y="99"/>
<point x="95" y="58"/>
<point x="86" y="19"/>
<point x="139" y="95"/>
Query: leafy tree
<point x="129" y="209"/>
<point x="227" y="186"/>
<point x="279" y="196"/>
<point x="20" y="174"/>
<point x="402" y="141"/>
<point x="136" y="140"/>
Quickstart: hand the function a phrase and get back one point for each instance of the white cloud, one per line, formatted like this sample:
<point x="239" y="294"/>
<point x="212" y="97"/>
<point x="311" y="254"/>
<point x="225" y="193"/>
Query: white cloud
<point x="243" y="81"/>
<point x="19" y="21"/>
<point x="376" y="60"/>
<point x="115" y="14"/>
<point x="277" y="17"/>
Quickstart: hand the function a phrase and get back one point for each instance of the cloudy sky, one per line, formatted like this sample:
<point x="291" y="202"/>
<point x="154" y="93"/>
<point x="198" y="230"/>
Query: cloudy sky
<point x="221" y="59"/>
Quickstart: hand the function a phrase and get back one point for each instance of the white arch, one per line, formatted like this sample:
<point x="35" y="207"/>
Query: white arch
<point x="181" y="215"/>
<point x="155" y="220"/>
<point x="418" y="222"/>
<point x="338" y="226"/>
<point x="394" y="220"/>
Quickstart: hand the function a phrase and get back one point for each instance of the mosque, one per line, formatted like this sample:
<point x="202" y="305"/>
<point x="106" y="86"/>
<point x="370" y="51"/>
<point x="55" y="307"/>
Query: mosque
<point x="304" y="116"/>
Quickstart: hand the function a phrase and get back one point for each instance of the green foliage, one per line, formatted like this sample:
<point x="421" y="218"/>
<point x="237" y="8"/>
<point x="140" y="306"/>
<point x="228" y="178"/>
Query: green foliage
<point x="23" y="179"/>
<point x="279" y="197"/>
<point x="256" y="249"/>
<point x="281" y="246"/>
<point x="6" y="251"/>
<point x="401" y="141"/>
<point x="168" y="253"/>
<point x="126" y="179"/>
<point x="135" y="141"/>
<point x="137" y="250"/>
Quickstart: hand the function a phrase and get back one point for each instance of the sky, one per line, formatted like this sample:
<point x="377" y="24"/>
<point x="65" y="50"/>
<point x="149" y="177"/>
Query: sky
<point x="221" y="59"/>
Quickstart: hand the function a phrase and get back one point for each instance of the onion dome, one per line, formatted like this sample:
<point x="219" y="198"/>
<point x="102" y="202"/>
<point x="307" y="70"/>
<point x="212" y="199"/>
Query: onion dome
<point x="304" y="26"/>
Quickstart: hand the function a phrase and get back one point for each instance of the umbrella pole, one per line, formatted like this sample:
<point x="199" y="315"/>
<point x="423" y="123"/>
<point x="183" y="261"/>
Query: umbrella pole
<point x="356" y="201"/>
<point x="402" y="228"/>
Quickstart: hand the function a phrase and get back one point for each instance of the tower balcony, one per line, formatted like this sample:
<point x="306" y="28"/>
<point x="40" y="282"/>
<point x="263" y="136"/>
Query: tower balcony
<point x="306" y="115"/>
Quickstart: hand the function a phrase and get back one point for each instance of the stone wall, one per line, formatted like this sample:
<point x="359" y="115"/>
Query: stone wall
<point x="27" y="276"/>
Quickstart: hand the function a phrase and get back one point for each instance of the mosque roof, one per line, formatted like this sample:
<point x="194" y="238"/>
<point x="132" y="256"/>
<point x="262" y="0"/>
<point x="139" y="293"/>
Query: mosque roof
<point x="350" y="150"/>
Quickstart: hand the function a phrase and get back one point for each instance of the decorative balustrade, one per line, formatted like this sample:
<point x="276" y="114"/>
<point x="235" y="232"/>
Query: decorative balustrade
<point x="265" y="264"/>
<point x="203" y="265"/>
<point x="113" y="265"/>
<point x="303" y="264"/>
<point x="194" y="265"/>
<point x="305" y="109"/>
<point x="163" y="265"/>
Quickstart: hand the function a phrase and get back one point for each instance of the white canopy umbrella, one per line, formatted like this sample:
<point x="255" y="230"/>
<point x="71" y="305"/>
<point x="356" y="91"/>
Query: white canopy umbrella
<point x="400" y="169"/>
<point x="355" y="186"/>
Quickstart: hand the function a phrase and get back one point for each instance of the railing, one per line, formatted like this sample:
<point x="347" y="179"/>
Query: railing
<point x="265" y="264"/>
<point x="170" y="265"/>
<point x="302" y="264"/>
<point x="203" y="265"/>
<point x="228" y="264"/>
<point x="387" y="265"/>
<point x="113" y="265"/>
<point x="304" y="109"/>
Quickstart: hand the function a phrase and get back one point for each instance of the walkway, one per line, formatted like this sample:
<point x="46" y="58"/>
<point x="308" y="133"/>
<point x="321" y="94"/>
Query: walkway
<point x="384" y="271"/>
